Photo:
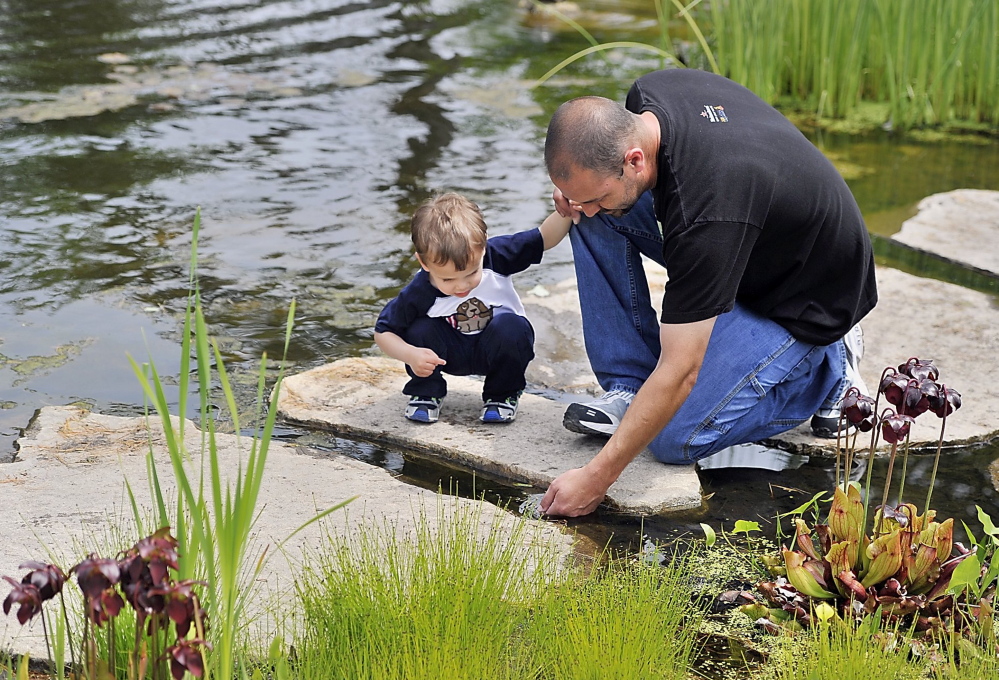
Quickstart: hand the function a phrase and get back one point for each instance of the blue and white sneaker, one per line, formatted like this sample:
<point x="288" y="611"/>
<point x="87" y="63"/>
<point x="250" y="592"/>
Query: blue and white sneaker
<point x="424" y="409"/>
<point x="500" y="410"/>
<point x="600" y="416"/>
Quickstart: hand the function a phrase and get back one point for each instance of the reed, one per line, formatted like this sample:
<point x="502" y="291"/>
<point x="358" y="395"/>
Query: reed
<point x="215" y="511"/>
<point x="930" y="61"/>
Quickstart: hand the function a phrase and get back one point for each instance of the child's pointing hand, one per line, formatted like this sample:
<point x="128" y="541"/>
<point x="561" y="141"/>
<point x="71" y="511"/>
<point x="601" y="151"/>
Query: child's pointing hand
<point x="424" y="361"/>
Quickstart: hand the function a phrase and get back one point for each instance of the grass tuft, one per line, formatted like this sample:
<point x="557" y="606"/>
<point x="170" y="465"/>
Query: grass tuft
<point x="629" y="620"/>
<point x="460" y="598"/>
<point x="443" y="602"/>
<point x="842" y="651"/>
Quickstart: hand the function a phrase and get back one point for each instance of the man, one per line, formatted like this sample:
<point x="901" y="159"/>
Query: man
<point x="769" y="265"/>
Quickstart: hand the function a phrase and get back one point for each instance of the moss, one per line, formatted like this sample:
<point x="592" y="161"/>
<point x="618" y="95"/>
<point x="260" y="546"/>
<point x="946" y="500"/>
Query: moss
<point x="871" y="116"/>
<point x="33" y="365"/>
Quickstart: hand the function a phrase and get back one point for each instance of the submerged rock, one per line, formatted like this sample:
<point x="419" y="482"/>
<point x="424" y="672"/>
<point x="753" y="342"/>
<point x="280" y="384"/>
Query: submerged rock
<point x="132" y="86"/>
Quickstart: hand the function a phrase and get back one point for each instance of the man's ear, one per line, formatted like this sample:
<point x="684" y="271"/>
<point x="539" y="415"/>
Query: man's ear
<point x="420" y="260"/>
<point x="635" y="159"/>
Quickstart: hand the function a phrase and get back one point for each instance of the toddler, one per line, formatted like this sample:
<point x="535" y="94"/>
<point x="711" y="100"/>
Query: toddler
<point x="460" y="314"/>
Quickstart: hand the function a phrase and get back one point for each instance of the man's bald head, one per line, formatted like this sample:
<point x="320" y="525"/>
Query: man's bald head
<point x="592" y="133"/>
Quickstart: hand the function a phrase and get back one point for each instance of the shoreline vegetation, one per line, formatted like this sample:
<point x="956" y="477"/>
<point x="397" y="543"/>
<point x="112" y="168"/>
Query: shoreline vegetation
<point x="851" y="66"/>
<point x="452" y="602"/>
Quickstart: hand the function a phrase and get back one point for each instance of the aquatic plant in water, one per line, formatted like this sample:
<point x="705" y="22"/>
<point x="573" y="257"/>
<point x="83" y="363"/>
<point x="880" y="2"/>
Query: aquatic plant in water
<point x="917" y="62"/>
<point x="904" y="566"/>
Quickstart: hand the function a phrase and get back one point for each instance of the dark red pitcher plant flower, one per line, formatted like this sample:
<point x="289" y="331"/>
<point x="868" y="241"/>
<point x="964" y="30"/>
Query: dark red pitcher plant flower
<point x="143" y="578"/>
<point x="903" y="567"/>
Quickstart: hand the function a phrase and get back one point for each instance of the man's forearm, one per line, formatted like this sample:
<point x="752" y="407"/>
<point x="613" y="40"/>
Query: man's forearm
<point x="660" y="398"/>
<point x="579" y="491"/>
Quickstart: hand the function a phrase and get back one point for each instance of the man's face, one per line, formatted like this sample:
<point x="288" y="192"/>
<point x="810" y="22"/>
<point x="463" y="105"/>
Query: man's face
<point x="451" y="281"/>
<point x="590" y="193"/>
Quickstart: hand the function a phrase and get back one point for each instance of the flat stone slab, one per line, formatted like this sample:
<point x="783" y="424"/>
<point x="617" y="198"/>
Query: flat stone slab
<point x="64" y="496"/>
<point x="960" y="225"/>
<point x="362" y="397"/>
<point x="957" y="328"/>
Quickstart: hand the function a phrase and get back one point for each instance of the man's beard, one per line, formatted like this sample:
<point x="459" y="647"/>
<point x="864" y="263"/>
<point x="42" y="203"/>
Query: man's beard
<point x="630" y="202"/>
<point x="618" y="212"/>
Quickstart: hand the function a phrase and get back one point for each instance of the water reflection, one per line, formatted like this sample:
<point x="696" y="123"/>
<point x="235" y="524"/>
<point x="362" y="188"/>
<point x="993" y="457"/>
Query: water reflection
<point x="306" y="130"/>
<point x="45" y="42"/>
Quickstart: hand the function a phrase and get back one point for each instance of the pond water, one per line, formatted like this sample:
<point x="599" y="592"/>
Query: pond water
<point x="306" y="131"/>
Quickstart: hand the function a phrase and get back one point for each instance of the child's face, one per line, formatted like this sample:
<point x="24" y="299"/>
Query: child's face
<point x="451" y="281"/>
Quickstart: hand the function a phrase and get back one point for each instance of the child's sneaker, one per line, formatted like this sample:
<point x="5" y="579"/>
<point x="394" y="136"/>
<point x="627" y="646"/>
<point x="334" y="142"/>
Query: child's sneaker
<point x="500" y="410"/>
<point x="424" y="409"/>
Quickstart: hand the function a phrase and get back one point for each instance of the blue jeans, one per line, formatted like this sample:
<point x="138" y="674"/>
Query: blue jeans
<point x="756" y="380"/>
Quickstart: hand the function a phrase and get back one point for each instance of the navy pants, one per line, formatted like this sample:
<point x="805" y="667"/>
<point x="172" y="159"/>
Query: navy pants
<point x="501" y="353"/>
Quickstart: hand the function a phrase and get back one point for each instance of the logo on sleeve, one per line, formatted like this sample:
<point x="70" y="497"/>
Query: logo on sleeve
<point x="714" y="114"/>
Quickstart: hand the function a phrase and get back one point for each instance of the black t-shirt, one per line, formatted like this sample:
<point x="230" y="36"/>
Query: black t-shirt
<point x="752" y="211"/>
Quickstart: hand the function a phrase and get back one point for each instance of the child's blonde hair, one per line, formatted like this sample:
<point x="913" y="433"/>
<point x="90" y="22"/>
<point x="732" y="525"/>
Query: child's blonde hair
<point x="449" y="228"/>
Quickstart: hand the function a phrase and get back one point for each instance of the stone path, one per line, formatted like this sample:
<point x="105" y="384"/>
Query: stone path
<point x="65" y="494"/>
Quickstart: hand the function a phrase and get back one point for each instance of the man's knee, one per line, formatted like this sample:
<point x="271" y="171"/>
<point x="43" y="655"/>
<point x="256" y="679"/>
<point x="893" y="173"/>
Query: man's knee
<point x="683" y="448"/>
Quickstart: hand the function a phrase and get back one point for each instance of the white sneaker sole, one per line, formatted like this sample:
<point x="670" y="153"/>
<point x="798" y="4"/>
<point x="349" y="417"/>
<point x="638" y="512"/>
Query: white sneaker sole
<point x="581" y="419"/>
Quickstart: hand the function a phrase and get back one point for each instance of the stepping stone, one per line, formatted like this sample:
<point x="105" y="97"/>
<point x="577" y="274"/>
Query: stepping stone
<point x="956" y="327"/>
<point x="362" y="397"/>
<point x="960" y="225"/>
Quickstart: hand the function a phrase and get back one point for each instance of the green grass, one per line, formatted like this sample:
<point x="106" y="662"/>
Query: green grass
<point x="457" y="600"/>
<point x="932" y="61"/>
<point x="630" y="620"/>
<point x="839" y="651"/>
<point x="444" y="602"/>
<point x="976" y="662"/>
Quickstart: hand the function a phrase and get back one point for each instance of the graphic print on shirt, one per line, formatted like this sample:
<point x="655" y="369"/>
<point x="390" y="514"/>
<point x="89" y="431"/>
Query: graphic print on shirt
<point x="471" y="316"/>
<point x="714" y="114"/>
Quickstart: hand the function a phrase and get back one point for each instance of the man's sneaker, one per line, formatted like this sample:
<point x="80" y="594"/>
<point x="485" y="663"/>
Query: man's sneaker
<point x="601" y="416"/>
<point x="854" y="343"/>
<point x="424" y="409"/>
<point x="500" y="410"/>
<point x="825" y="422"/>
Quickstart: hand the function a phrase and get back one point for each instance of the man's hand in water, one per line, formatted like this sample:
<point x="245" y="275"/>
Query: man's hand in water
<point x="574" y="493"/>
